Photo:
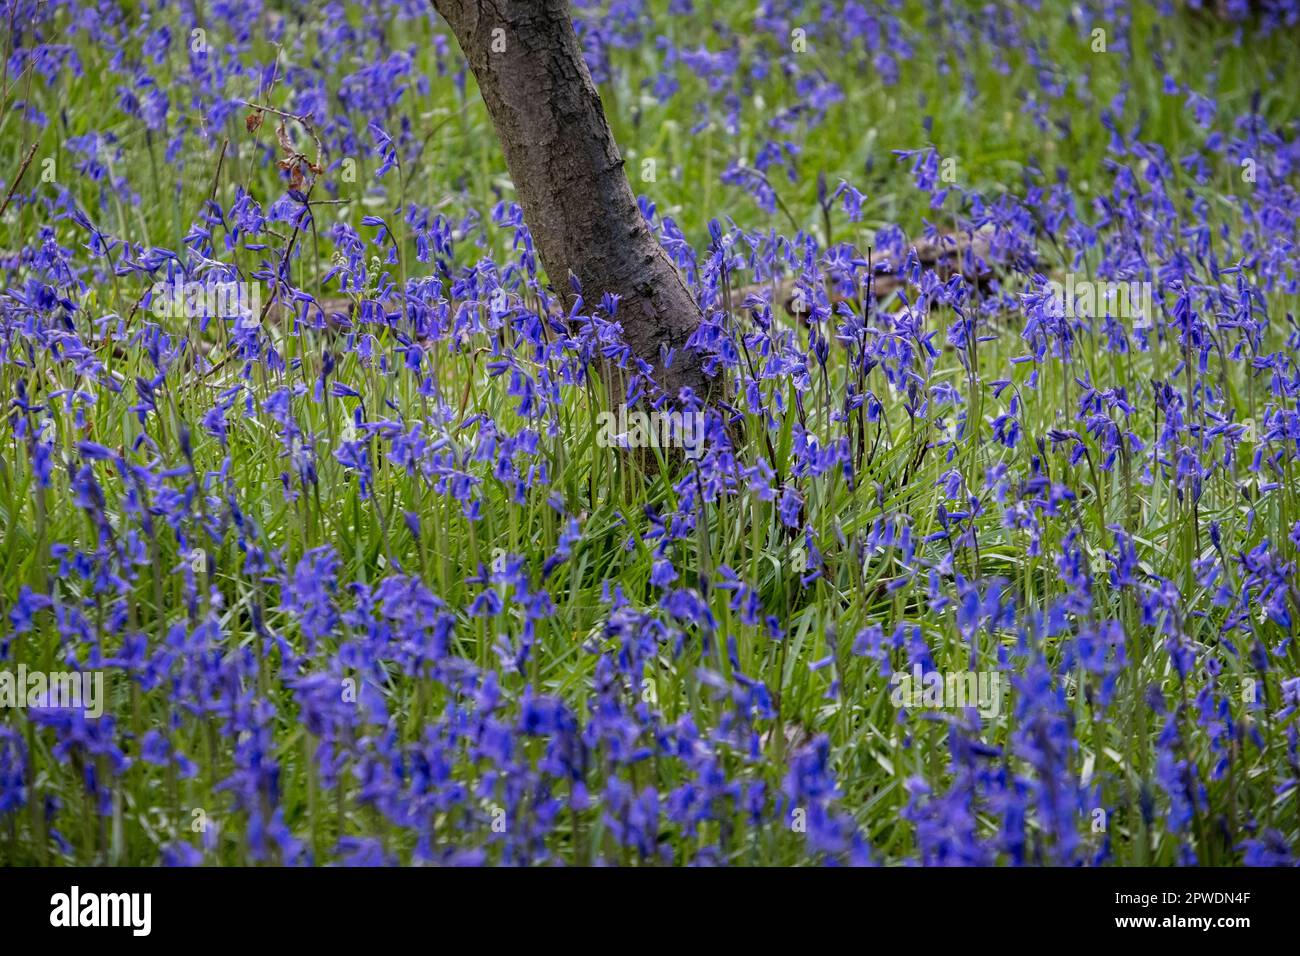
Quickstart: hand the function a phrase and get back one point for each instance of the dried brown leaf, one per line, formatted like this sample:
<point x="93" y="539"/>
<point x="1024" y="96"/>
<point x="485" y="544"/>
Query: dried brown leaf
<point x="282" y="134"/>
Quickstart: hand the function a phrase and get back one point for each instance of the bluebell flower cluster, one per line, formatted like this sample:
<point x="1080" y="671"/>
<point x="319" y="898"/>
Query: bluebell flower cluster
<point x="367" y="591"/>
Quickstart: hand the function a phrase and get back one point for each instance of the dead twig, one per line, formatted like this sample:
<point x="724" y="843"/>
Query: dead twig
<point x="22" y="171"/>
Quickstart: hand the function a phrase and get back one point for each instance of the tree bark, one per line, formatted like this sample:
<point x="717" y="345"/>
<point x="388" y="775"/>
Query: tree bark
<point x="569" y="175"/>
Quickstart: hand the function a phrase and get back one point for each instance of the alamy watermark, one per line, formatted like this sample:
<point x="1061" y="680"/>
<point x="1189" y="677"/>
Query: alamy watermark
<point x="59" y="690"/>
<point x="206" y="299"/>
<point x="654" y="429"/>
<point x="133" y="911"/>
<point x="1086" y="299"/>
<point x="952" y="690"/>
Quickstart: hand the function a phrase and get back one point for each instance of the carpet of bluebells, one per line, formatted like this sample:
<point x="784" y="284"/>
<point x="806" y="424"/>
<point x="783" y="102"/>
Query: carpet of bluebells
<point x="364" y="586"/>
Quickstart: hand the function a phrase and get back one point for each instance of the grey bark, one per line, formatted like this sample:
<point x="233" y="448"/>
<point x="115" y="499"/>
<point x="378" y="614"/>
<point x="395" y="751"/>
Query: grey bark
<point x="569" y="176"/>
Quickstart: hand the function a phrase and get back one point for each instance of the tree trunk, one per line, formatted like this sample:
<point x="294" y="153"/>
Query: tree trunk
<point x="569" y="175"/>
